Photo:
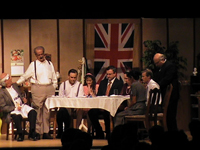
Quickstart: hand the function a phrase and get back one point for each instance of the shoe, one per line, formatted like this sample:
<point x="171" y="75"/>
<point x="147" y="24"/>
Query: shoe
<point x="46" y="136"/>
<point x="20" y="138"/>
<point x="33" y="136"/>
<point x="37" y="136"/>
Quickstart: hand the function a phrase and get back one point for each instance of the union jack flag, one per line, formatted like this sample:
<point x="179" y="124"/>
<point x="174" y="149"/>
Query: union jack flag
<point x="113" y="46"/>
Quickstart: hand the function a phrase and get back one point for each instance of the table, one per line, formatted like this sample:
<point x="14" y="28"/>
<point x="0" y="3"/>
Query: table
<point x="110" y="103"/>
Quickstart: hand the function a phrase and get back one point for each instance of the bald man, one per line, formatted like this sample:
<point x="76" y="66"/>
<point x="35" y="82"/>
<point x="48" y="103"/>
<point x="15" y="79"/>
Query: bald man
<point x="166" y="75"/>
<point x="13" y="104"/>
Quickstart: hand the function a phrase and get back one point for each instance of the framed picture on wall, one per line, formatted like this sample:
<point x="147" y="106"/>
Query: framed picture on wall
<point x="17" y="62"/>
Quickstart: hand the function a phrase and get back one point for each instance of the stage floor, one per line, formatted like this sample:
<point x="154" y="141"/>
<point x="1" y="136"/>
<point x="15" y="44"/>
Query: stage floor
<point x="54" y="144"/>
<point x="40" y="144"/>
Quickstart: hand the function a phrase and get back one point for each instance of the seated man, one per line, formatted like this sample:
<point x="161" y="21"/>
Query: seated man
<point x="69" y="88"/>
<point x="106" y="87"/>
<point x="14" y="105"/>
<point x="147" y="76"/>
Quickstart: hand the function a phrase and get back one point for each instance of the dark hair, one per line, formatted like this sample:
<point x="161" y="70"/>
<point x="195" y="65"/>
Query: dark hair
<point x="148" y="73"/>
<point x="37" y="48"/>
<point x="72" y="71"/>
<point x="93" y="82"/>
<point x="112" y="68"/>
<point x="134" y="74"/>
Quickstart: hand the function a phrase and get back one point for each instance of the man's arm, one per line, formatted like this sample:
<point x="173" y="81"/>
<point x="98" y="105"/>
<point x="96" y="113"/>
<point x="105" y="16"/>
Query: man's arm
<point x="170" y="74"/>
<point x="54" y="78"/>
<point x="100" y="89"/>
<point x="61" y="89"/>
<point x="29" y="72"/>
<point x="4" y="107"/>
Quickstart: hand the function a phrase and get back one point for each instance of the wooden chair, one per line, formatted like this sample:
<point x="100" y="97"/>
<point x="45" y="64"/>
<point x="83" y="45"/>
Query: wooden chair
<point x="13" y="132"/>
<point x="162" y="116"/>
<point x="151" y="110"/>
<point x="53" y="122"/>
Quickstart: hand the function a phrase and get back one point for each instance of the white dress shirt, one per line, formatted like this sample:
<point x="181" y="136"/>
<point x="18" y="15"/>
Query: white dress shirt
<point x="16" y="99"/>
<point x="45" y="74"/>
<point x="151" y="85"/>
<point x="71" y="90"/>
<point x="25" y="109"/>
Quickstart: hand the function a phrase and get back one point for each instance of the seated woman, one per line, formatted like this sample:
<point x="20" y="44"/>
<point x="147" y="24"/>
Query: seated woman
<point x="90" y="87"/>
<point x="137" y="97"/>
<point x="90" y="90"/>
<point x="126" y="90"/>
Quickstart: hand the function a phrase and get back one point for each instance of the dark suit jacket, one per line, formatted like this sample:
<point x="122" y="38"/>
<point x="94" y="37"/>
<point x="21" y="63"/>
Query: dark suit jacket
<point x="168" y="75"/>
<point x="117" y="84"/>
<point x="6" y="102"/>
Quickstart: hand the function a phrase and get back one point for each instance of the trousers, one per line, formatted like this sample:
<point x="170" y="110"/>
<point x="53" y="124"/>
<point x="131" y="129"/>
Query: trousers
<point x="39" y="95"/>
<point x="94" y="118"/>
<point x="32" y="121"/>
<point x="63" y="117"/>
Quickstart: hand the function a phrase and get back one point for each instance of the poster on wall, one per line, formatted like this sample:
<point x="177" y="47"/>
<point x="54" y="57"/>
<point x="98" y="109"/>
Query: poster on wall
<point x="17" y="62"/>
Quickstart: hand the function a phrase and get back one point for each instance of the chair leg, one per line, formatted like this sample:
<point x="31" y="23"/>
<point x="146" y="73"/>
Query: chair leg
<point x="164" y="125"/>
<point x="7" y="131"/>
<point x="54" y="124"/>
<point x="12" y="125"/>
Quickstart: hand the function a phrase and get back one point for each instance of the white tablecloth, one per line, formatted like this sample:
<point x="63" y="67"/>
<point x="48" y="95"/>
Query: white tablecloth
<point x="110" y="104"/>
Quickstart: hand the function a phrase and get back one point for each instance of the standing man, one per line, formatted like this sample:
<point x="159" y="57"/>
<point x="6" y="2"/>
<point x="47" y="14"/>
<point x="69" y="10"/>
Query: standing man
<point x="69" y="88"/>
<point x="107" y="88"/>
<point x="43" y="84"/>
<point x="13" y="104"/>
<point x="165" y="76"/>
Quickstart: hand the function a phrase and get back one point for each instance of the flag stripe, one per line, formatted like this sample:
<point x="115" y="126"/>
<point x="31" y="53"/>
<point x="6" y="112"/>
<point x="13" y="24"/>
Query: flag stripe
<point x="126" y="31"/>
<point x="101" y="35"/>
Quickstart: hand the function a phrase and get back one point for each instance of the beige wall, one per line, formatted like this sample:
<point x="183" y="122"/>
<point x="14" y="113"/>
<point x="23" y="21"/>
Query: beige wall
<point x="71" y="45"/>
<point x="182" y="30"/>
<point x="44" y="33"/>
<point x="154" y="29"/>
<point x="16" y="36"/>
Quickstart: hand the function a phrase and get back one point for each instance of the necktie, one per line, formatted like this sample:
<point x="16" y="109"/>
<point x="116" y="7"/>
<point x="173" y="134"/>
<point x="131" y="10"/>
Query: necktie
<point x="108" y="88"/>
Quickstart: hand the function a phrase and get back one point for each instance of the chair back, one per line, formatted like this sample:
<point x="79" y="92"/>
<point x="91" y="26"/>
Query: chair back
<point x="152" y="105"/>
<point x="166" y="99"/>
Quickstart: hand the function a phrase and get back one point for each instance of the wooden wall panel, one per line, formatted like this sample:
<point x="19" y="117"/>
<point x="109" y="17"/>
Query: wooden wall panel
<point x="16" y="36"/>
<point x="154" y="29"/>
<point x="71" y="45"/>
<point x="181" y="30"/>
<point x="44" y="33"/>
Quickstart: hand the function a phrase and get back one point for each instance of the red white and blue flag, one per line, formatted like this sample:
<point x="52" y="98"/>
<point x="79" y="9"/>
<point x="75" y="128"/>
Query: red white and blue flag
<point x="113" y="46"/>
